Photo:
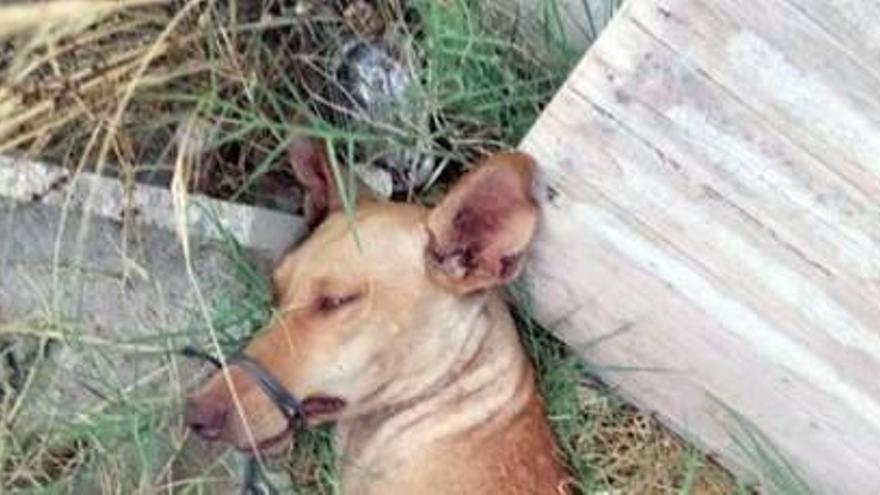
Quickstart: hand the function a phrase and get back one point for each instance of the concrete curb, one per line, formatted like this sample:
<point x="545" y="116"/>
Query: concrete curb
<point x="268" y="232"/>
<point x="123" y="283"/>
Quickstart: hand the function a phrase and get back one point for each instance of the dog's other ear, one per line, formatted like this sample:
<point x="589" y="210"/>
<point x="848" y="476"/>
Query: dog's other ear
<point x="480" y="231"/>
<point x="308" y="157"/>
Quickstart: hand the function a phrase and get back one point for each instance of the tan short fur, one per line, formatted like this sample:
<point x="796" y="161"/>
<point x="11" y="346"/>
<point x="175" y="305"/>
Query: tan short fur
<point x="398" y="314"/>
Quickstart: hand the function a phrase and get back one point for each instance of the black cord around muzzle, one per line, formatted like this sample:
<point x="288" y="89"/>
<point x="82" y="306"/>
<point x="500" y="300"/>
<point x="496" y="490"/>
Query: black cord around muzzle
<point x="287" y="403"/>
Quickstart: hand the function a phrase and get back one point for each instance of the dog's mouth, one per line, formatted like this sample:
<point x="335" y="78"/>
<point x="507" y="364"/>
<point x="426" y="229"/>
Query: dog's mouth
<point x="272" y="445"/>
<point x="318" y="406"/>
<point x="314" y="408"/>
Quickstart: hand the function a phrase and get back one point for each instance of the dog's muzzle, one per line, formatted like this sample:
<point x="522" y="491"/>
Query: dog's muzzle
<point x="287" y="403"/>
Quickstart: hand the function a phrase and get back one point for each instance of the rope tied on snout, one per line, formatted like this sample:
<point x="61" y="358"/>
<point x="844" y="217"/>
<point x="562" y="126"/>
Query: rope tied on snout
<point x="287" y="403"/>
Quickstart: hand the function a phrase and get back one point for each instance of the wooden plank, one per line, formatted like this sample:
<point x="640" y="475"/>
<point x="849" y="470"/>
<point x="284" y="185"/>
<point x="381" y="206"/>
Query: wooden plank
<point x="792" y="75"/>
<point x="710" y="188"/>
<point x="853" y="23"/>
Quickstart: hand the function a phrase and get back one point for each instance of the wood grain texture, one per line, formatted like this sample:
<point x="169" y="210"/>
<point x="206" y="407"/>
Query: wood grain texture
<point x="711" y="227"/>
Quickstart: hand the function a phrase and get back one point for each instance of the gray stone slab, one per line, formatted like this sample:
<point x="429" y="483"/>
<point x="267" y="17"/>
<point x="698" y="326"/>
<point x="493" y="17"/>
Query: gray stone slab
<point x="72" y="250"/>
<point x="101" y="270"/>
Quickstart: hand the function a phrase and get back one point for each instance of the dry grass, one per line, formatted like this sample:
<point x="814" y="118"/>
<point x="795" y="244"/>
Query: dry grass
<point x="611" y="446"/>
<point x="217" y="88"/>
<point x="71" y="69"/>
<point x="633" y="453"/>
<point x="117" y="85"/>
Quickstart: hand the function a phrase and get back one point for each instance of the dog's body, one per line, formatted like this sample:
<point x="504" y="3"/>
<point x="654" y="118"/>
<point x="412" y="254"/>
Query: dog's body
<point x="396" y="332"/>
<point x="478" y="427"/>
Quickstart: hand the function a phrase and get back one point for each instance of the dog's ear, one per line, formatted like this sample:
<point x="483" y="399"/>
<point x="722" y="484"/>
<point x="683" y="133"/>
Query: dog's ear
<point x="308" y="157"/>
<point x="479" y="233"/>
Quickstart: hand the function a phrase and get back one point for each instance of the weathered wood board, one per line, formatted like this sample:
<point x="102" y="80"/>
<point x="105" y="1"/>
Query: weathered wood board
<point x="711" y="229"/>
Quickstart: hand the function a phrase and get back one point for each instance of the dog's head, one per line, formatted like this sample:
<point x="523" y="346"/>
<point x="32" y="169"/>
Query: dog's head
<point x="364" y="303"/>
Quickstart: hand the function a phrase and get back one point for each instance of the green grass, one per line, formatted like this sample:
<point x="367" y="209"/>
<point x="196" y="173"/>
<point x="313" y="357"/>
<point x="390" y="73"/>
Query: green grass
<point x="124" y="442"/>
<point x="479" y="85"/>
<point x="606" y="444"/>
<point x="775" y="474"/>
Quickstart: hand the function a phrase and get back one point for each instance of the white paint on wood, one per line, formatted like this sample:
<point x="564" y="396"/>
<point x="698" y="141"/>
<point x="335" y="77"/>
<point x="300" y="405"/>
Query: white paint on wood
<point x="854" y="23"/>
<point x="715" y="195"/>
<point x="736" y="316"/>
<point x="804" y="95"/>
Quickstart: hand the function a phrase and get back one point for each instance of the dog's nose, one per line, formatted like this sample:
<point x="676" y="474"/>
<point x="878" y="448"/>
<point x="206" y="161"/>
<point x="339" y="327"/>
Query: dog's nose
<point x="206" y="418"/>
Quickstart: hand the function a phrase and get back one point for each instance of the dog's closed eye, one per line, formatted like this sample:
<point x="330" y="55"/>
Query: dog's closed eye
<point x="327" y="303"/>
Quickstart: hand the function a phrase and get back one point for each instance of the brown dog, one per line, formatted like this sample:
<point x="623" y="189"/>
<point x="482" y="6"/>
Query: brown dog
<point x="391" y="325"/>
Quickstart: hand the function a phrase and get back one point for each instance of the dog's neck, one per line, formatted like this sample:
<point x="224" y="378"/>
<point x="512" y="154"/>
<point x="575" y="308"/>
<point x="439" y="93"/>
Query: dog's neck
<point x="483" y="383"/>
